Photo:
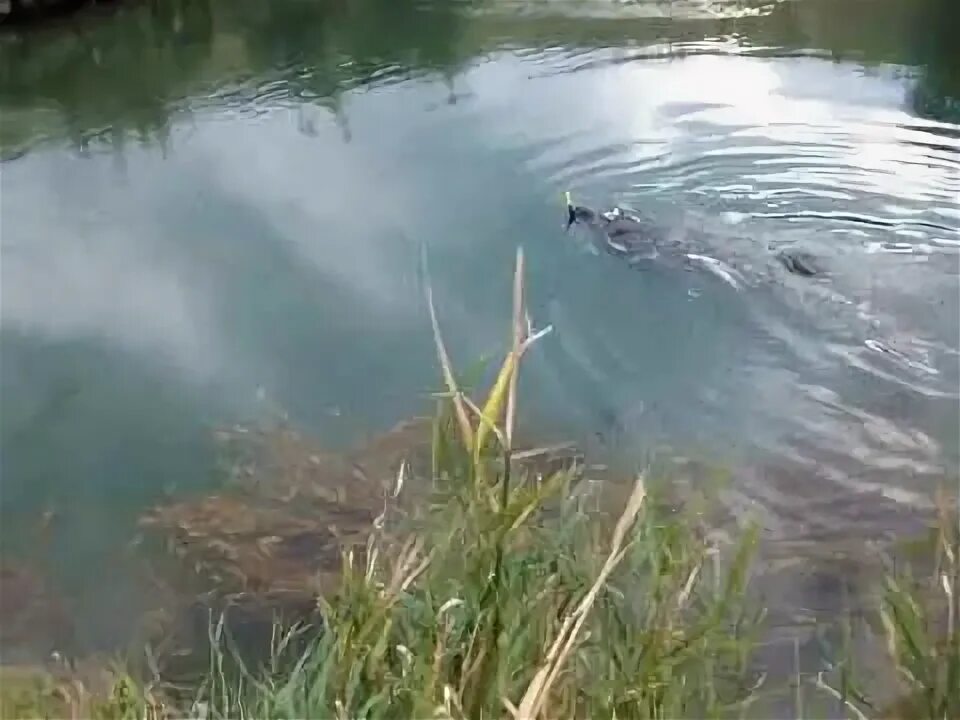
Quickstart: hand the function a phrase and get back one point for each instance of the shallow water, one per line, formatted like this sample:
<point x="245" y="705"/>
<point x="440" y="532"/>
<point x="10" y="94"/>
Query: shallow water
<point x="214" y="211"/>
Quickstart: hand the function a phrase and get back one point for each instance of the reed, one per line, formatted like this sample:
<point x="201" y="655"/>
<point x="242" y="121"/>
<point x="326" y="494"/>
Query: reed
<point x="501" y="591"/>
<point x="509" y="598"/>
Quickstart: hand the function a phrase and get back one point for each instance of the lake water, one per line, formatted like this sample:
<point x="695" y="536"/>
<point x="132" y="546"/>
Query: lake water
<point x="214" y="211"/>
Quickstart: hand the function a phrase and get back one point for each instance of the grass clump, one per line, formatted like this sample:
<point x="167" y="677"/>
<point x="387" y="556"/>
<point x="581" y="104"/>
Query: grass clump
<point x="921" y="623"/>
<point x="111" y="694"/>
<point x="492" y="587"/>
<point x="915" y="636"/>
<point x="508" y="598"/>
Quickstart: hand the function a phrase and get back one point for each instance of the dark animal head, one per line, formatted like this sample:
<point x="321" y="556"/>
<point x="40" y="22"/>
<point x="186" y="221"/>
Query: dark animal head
<point x="578" y="214"/>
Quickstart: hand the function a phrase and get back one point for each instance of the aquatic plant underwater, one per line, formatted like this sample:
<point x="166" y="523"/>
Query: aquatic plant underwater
<point x="493" y="587"/>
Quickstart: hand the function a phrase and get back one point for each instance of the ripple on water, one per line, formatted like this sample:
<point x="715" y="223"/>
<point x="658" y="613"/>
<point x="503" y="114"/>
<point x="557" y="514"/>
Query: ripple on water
<point x="794" y="162"/>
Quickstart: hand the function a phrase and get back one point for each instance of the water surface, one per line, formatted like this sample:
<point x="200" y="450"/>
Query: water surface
<point x="214" y="211"/>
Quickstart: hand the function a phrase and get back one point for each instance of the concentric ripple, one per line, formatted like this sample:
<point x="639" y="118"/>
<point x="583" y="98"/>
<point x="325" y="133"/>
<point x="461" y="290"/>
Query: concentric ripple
<point x="740" y="157"/>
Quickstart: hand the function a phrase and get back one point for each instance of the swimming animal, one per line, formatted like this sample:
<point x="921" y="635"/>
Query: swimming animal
<point x="616" y="232"/>
<point x="637" y="240"/>
<point x="799" y="263"/>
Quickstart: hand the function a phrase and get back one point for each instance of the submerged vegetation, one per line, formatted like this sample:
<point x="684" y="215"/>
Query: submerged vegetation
<point x="508" y="598"/>
<point x="482" y="580"/>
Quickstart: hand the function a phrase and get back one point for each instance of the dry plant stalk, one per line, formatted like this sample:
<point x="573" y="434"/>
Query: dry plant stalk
<point x="537" y="692"/>
<point x="519" y="335"/>
<point x="503" y="392"/>
<point x="445" y="365"/>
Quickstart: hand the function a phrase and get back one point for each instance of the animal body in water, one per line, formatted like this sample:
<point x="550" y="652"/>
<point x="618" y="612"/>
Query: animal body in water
<point x="799" y="263"/>
<point x="637" y="240"/>
<point x="616" y="232"/>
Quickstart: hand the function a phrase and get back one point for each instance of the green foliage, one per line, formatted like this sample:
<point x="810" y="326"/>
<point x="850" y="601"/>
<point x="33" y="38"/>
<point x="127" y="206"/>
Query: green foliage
<point x="499" y="593"/>
<point x="459" y="619"/>
<point x="921" y="621"/>
<point x="36" y="693"/>
<point x="508" y="595"/>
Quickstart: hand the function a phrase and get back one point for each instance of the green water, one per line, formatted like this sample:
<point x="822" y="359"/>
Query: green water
<point x="214" y="211"/>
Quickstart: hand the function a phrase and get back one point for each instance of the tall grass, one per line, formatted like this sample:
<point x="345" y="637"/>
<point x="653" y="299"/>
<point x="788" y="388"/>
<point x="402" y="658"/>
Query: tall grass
<point x="509" y="598"/>
<point x="113" y="695"/>
<point x="921" y="623"/>
<point x="918" y="623"/>
<point x="492" y="591"/>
